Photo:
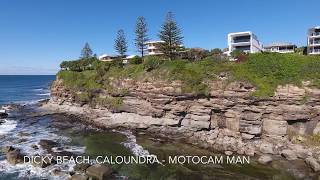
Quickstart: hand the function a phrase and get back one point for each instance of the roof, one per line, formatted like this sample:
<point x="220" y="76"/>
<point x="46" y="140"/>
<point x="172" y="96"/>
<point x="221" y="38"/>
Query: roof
<point x="157" y="41"/>
<point x="276" y="44"/>
<point x="239" y="33"/>
<point x="106" y="55"/>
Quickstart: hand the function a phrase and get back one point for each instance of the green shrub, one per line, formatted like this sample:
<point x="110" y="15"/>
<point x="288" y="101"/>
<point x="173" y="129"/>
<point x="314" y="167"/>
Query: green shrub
<point x="152" y="62"/>
<point x="136" y="60"/>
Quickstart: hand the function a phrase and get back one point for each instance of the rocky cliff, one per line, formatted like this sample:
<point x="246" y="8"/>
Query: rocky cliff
<point x="228" y="119"/>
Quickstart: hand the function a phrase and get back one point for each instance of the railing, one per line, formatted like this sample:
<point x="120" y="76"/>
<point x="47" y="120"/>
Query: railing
<point x="315" y="34"/>
<point x="316" y="50"/>
<point x="315" y="42"/>
<point x="241" y="41"/>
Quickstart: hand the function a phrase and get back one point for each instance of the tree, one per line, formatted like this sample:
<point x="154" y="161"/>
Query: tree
<point x="216" y="51"/>
<point x="141" y="35"/>
<point x="171" y="35"/>
<point x="86" y="51"/>
<point x="121" y="43"/>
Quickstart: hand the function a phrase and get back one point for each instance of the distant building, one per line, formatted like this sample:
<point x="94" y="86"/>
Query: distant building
<point x="281" y="48"/>
<point x="128" y="58"/>
<point x="244" y="41"/>
<point x="107" y="58"/>
<point x="314" y="41"/>
<point x="153" y="47"/>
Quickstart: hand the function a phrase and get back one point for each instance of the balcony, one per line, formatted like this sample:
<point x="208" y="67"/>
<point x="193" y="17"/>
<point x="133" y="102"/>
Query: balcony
<point x="315" y="43"/>
<point x="314" y="34"/>
<point x="314" y="51"/>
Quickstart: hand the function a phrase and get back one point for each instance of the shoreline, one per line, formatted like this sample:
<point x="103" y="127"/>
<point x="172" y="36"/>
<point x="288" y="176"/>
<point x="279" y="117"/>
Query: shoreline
<point x="219" y="140"/>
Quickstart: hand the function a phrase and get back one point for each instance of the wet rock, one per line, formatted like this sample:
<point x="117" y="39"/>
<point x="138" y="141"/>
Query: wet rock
<point x="57" y="172"/>
<point x="3" y="114"/>
<point x="7" y="149"/>
<point x="34" y="146"/>
<point x="21" y="140"/>
<point x="79" y="177"/>
<point x="23" y="134"/>
<point x="99" y="171"/>
<point x="2" y="121"/>
<point x="81" y="167"/>
<point x="312" y="162"/>
<point x="14" y="157"/>
<point x="47" y="144"/>
<point x="43" y="161"/>
<point x="265" y="159"/>
<point x="289" y="154"/>
<point x="228" y="153"/>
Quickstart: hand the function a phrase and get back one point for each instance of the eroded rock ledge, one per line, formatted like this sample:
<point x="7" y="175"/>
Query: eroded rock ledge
<point x="229" y="119"/>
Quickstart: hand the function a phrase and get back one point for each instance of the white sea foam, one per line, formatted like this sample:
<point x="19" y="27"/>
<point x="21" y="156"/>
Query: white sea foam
<point x="27" y="170"/>
<point x="30" y="102"/>
<point x="38" y="89"/>
<point x="43" y="94"/>
<point x="7" y="126"/>
<point x="131" y="144"/>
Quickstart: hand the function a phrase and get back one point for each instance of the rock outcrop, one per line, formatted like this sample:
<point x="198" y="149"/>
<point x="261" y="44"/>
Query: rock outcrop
<point x="228" y="119"/>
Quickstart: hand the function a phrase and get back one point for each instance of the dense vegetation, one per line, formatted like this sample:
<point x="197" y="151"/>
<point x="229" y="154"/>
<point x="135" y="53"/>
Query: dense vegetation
<point x="265" y="70"/>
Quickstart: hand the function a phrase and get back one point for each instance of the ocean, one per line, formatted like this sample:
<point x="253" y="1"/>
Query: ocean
<point x="24" y="88"/>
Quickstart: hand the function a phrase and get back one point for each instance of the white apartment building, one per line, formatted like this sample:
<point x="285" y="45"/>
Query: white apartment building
<point x="314" y="41"/>
<point x="153" y="47"/>
<point x="281" y="47"/>
<point x="244" y="41"/>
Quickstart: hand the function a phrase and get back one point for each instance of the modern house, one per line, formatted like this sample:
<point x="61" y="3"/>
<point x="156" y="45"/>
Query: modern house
<point x="153" y="47"/>
<point x="107" y="58"/>
<point x="244" y="41"/>
<point x="281" y="47"/>
<point x="314" y="41"/>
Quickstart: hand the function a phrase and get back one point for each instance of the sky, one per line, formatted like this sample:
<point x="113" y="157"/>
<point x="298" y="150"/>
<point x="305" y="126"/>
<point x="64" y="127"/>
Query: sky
<point x="36" y="35"/>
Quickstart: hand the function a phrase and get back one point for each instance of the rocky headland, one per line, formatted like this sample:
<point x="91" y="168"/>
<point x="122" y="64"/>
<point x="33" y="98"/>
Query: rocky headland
<point x="228" y="120"/>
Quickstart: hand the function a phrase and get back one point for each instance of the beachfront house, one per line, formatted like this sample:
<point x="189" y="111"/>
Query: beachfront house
<point x="280" y="47"/>
<point x="153" y="47"/>
<point x="244" y="41"/>
<point x="314" y="41"/>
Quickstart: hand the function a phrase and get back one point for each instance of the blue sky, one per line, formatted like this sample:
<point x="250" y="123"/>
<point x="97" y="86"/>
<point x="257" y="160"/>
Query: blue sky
<point x="36" y="35"/>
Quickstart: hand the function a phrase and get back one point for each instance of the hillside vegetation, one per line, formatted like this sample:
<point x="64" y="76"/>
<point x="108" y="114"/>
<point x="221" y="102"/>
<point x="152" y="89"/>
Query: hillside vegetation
<point x="265" y="71"/>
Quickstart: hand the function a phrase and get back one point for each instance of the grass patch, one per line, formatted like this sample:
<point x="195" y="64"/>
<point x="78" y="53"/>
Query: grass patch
<point x="264" y="70"/>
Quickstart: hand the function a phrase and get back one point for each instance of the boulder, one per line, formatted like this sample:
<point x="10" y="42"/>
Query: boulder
<point x="289" y="154"/>
<point x="275" y="127"/>
<point x="99" y="171"/>
<point x="79" y="177"/>
<point x="47" y="144"/>
<point x="266" y="148"/>
<point x="312" y="162"/>
<point x="3" y="114"/>
<point x="249" y="151"/>
<point x="265" y="159"/>
<point x="247" y="136"/>
<point x="316" y="130"/>
<point x="228" y="153"/>
<point x="82" y="167"/>
<point x="43" y="161"/>
<point x="7" y="149"/>
<point x="14" y="157"/>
